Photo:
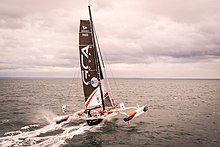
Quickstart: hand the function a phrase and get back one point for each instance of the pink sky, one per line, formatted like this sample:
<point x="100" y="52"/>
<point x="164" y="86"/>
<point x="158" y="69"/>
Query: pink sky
<point x="144" y="38"/>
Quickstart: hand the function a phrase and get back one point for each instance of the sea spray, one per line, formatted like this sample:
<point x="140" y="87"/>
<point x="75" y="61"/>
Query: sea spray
<point x="51" y="134"/>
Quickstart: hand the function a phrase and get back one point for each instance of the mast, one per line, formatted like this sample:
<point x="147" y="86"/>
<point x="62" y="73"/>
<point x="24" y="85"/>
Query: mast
<point x="100" y="74"/>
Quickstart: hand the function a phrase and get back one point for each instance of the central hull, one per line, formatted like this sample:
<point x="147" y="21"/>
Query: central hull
<point x="92" y="122"/>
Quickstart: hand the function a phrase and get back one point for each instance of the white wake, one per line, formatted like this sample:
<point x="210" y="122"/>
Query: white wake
<point x="43" y="136"/>
<point x="49" y="135"/>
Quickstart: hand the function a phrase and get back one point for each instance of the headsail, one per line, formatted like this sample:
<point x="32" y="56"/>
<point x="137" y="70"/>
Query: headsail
<point x="96" y="95"/>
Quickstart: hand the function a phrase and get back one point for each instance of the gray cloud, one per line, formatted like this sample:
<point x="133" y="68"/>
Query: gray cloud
<point x="44" y="34"/>
<point x="163" y="36"/>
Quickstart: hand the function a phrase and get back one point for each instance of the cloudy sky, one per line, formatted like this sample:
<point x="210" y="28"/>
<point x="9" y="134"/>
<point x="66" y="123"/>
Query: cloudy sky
<point x="138" y="38"/>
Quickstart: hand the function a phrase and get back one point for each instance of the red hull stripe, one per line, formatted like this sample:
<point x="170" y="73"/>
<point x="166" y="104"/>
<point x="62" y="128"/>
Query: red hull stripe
<point x="66" y="118"/>
<point x="90" y="99"/>
<point x="133" y="114"/>
<point x="106" y="94"/>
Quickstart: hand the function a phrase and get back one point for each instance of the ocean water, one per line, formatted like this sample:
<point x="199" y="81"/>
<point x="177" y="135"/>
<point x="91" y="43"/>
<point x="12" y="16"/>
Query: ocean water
<point x="181" y="113"/>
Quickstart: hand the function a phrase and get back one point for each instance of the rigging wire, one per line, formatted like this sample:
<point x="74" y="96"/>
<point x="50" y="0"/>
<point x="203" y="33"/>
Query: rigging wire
<point x="98" y="46"/>
<point x="100" y="74"/>
<point x="109" y="87"/>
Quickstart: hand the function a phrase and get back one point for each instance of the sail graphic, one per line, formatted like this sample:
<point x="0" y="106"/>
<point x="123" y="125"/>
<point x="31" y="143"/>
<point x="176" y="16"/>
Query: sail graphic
<point x="95" y="91"/>
<point x="89" y="71"/>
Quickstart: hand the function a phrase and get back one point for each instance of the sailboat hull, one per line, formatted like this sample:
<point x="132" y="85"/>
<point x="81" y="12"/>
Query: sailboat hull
<point x="92" y="122"/>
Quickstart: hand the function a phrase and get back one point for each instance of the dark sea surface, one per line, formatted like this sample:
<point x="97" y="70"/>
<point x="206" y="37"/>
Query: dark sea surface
<point x="181" y="113"/>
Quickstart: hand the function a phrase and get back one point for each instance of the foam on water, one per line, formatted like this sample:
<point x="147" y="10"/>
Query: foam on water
<point x="44" y="136"/>
<point x="50" y="135"/>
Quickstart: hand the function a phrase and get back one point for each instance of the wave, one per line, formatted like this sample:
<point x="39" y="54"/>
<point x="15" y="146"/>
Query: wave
<point x="49" y="135"/>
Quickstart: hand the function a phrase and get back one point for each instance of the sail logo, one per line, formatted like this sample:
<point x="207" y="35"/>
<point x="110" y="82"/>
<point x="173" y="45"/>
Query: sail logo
<point x="85" y="72"/>
<point x="85" y="68"/>
<point x="84" y="27"/>
<point x="94" y="82"/>
<point x="85" y="31"/>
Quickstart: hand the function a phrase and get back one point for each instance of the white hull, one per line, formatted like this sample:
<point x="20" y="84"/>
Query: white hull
<point x="130" y="112"/>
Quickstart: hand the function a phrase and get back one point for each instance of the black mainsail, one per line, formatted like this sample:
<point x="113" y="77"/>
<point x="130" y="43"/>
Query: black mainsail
<point x="95" y="92"/>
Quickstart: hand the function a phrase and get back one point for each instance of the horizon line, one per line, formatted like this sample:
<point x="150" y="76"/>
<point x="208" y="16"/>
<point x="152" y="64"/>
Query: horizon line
<point x="153" y="78"/>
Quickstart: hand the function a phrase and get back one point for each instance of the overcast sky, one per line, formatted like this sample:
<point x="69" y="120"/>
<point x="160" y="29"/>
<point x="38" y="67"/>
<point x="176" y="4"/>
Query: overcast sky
<point x="138" y="38"/>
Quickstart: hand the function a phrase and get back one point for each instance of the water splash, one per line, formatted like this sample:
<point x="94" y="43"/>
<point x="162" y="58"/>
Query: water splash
<point x="50" y="135"/>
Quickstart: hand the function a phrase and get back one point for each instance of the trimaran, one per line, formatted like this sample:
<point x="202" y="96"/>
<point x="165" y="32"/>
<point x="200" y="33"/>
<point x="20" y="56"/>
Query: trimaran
<point x="99" y="105"/>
